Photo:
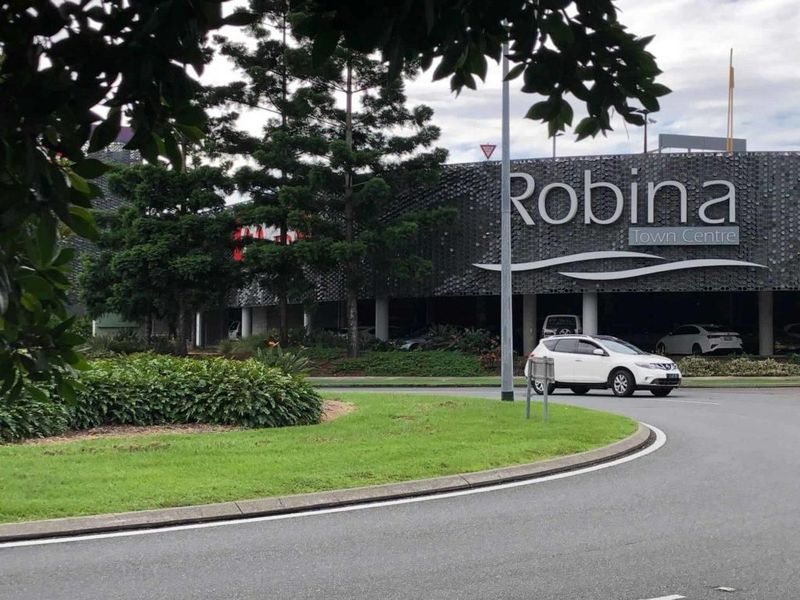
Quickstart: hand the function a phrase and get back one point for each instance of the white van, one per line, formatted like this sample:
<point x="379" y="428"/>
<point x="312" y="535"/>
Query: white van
<point x="561" y="325"/>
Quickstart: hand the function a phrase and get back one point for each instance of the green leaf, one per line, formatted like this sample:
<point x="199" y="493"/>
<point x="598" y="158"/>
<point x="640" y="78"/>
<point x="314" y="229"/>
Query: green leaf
<point x="37" y="286"/>
<point x="65" y="256"/>
<point x="565" y="114"/>
<point x="37" y="393"/>
<point x="195" y="134"/>
<point x="78" y="182"/>
<point x="559" y="31"/>
<point x="30" y="302"/>
<point x="324" y="45"/>
<point x="82" y="223"/>
<point x="107" y="131"/>
<point x="516" y="71"/>
<point x="658" y="90"/>
<point x="46" y="239"/>
<point x="240" y="19"/>
<point x="539" y="111"/>
<point x="89" y="168"/>
<point x="587" y="127"/>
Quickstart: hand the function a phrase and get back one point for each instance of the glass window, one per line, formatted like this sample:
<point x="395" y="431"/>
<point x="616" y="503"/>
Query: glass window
<point x="621" y="347"/>
<point x="561" y="322"/>
<point x="568" y="345"/>
<point x="550" y="344"/>
<point x="686" y="330"/>
<point x="714" y="328"/>
<point x="585" y="347"/>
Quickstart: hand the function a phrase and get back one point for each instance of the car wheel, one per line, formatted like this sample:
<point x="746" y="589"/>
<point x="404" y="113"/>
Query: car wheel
<point x="564" y="331"/>
<point x="622" y="382"/>
<point x="538" y="387"/>
<point x="661" y="392"/>
<point x="661" y="349"/>
<point x="697" y="350"/>
<point x="579" y="390"/>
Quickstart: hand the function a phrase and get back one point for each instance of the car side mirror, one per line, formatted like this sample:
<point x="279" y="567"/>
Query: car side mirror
<point x="599" y="352"/>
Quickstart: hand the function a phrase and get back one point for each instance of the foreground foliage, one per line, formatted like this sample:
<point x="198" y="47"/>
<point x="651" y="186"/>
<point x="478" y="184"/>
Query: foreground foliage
<point x="59" y="61"/>
<point x="387" y="438"/>
<point x="147" y="389"/>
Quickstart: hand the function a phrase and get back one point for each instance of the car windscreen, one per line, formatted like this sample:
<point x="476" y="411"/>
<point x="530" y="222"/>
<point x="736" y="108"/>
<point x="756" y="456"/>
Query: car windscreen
<point x="556" y="322"/>
<point x="622" y="347"/>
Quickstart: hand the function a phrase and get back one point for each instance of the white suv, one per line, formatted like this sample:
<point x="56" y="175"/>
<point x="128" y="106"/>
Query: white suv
<point x="584" y="362"/>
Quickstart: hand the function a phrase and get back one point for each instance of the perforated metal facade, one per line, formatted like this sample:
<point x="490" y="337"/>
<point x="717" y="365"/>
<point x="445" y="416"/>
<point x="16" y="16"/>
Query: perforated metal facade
<point x="767" y="206"/>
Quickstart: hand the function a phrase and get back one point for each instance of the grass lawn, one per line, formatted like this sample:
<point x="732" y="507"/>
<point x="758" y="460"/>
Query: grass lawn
<point x="387" y="438"/>
<point x="491" y="381"/>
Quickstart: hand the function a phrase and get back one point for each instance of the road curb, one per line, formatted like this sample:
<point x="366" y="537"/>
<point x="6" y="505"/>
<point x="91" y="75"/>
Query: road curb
<point x="150" y="519"/>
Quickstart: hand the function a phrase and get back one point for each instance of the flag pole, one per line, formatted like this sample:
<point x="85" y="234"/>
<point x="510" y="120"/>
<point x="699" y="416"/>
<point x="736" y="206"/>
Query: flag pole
<point x="729" y="135"/>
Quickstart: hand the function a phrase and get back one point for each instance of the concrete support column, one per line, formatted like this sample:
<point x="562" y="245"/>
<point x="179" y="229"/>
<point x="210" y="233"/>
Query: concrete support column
<point x="382" y="318"/>
<point x="766" y="345"/>
<point x="430" y="311"/>
<point x="308" y="320"/>
<point x="247" y="321"/>
<point x="590" y="313"/>
<point x="198" y="329"/>
<point x="529" y="333"/>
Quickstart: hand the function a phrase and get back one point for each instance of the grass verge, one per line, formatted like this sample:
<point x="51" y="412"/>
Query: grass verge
<point x="688" y="382"/>
<point x="388" y="438"/>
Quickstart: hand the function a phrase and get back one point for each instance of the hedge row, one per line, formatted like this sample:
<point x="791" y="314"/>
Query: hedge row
<point x="737" y="367"/>
<point x="147" y="389"/>
<point x="420" y="363"/>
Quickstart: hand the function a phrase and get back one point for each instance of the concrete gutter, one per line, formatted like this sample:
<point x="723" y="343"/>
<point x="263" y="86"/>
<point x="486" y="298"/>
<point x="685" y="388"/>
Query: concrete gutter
<point x="150" y="519"/>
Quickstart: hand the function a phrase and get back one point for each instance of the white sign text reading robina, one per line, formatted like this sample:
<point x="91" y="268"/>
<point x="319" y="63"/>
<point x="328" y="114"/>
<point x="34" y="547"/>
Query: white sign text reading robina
<point x="654" y="190"/>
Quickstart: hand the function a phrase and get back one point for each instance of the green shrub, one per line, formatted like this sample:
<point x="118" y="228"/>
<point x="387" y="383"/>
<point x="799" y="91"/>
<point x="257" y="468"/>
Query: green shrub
<point x="286" y="361"/>
<point x="148" y="389"/>
<point x="469" y="340"/>
<point x="420" y="363"/>
<point x="127" y="342"/>
<point x="244" y="347"/>
<point x="692" y="366"/>
<point x="28" y="418"/>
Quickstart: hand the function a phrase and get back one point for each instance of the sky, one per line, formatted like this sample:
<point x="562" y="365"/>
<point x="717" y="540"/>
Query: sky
<point x="692" y="46"/>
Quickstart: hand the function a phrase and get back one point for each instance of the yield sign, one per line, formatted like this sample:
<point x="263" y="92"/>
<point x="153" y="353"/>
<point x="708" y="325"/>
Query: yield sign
<point x="487" y="149"/>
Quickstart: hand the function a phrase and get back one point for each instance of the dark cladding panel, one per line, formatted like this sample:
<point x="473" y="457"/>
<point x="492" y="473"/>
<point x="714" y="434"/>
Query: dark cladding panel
<point x="767" y="206"/>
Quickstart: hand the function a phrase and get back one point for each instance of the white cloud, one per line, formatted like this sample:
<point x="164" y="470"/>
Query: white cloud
<point x="693" y="39"/>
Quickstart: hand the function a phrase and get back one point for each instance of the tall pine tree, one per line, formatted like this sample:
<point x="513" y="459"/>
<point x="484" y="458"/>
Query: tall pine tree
<point x="379" y="147"/>
<point x="278" y="79"/>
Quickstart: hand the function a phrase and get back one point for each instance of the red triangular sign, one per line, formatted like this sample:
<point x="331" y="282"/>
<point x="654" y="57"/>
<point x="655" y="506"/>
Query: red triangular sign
<point x="487" y="149"/>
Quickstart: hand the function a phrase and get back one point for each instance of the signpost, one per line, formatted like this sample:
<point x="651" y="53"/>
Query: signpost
<point x="539" y="369"/>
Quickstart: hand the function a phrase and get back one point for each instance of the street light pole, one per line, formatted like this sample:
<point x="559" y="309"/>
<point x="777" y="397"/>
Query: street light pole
<point x="506" y="344"/>
<point x="555" y="135"/>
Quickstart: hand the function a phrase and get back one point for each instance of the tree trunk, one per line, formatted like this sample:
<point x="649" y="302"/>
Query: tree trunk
<point x="352" y="322"/>
<point x="350" y="269"/>
<point x="283" y="307"/>
<point x="180" y="342"/>
<point x="149" y="329"/>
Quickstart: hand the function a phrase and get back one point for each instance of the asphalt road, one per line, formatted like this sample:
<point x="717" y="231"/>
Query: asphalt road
<point x="717" y="506"/>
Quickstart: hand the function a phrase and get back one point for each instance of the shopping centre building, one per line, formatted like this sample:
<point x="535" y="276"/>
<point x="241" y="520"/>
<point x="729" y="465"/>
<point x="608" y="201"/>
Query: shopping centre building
<point x="634" y="244"/>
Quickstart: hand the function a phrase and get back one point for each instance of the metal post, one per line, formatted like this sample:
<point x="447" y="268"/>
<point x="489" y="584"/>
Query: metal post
<point x="506" y="345"/>
<point x="528" y="392"/>
<point x="544" y="398"/>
